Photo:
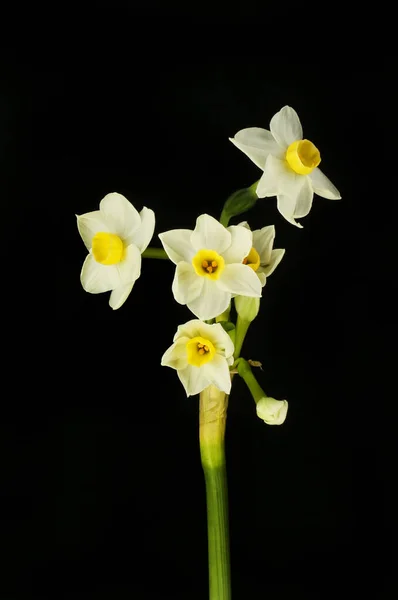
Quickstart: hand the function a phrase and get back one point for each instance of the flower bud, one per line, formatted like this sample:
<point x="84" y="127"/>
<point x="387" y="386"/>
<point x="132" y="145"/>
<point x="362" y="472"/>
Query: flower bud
<point x="239" y="202"/>
<point x="271" y="411"/>
<point x="247" y="308"/>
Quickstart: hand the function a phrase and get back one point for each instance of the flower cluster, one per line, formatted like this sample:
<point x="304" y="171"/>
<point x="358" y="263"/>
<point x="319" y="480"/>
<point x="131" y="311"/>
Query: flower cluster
<point x="214" y="263"/>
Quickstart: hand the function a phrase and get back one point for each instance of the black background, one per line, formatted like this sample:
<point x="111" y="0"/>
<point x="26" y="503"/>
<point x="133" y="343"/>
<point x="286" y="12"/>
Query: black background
<point x="103" y="488"/>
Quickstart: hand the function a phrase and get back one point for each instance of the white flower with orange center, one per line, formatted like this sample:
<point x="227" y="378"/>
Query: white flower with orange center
<point x="115" y="236"/>
<point x="209" y="265"/>
<point x="262" y="258"/>
<point x="290" y="164"/>
<point x="201" y="355"/>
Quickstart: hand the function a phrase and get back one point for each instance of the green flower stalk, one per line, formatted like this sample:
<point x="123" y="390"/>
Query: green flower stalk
<point x="270" y="410"/>
<point x="247" y="310"/>
<point x="241" y="329"/>
<point x="212" y="420"/>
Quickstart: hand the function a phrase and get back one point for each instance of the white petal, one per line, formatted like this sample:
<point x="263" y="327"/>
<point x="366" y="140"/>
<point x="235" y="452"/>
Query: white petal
<point x="286" y="206"/>
<point x="214" y="332"/>
<point x="89" y="224"/>
<point x="256" y="143"/>
<point x="243" y="224"/>
<point x="298" y="189"/>
<point x="323" y="186"/>
<point x="193" y="379"/>
<point x="187" y="285"/>
<point x="211" y="302"/>
<point x="255" y="154"/>
<point x="276" y="257"/>
<point x="262" y="278"/>
<point x="222" y="342"/>
<point x="263" y="240"/>
<point x="177" y="244"/>
<point x="119" y="296"/>
<point x="130" y="267"/>
<point x="143" y="235"/>
<point x="217" y="372"/>
<point x="286" y="127"/>
<point x="304" y="199"/>
<point x="121" y="213"/>
<point x="96" y="278"/>
<point x="289" y="182"/>
<point x="274" y="172"/>
<point x="176" y="356"/>
<point x="241" y="280"/>
<point x="241" y="243"/>
<point x="210" y="234"/>
<point x="190" y="329"/>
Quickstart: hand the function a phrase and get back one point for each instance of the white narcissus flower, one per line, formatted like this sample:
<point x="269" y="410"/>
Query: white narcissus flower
<point x="201" y="354"/>
<point x="115" y="236"/>
<point x="209" y="265"/>
<point x="290" y="164"/>
<point x="262" y="258"/>
<point x="271" y="411"/>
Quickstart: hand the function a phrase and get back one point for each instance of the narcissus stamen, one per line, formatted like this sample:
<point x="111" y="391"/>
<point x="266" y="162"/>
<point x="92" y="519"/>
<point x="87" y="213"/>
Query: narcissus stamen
<point x="199" y="351"/>
<point x="208" y="263"/>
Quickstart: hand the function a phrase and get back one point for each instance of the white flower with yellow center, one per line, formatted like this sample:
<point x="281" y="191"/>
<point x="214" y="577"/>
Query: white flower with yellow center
<point x="290" y="164"/>
<point x="201" y="354"/>
<point x="209" y="266"/>
<point x="262" y="258"/>
<point x="115" y="236"/>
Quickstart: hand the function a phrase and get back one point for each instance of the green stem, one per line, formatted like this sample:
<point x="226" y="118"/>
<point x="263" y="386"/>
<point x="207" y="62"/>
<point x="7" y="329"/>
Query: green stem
<point x="212" y="420"/>
<point x="245" y="371"/>
<point x="155" y="253"/>
<point x="240" y="333"/>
